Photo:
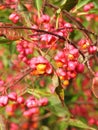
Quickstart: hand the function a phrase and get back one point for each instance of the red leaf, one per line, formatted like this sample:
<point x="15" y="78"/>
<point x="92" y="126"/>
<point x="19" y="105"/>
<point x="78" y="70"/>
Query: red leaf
<point x="95" y="86"/>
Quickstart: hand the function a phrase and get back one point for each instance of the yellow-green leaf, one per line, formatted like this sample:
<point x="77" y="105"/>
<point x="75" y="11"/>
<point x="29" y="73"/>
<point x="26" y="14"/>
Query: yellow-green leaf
<point x="79" y="124"/>
<point x="60" y="93"/>
<point x="56" y="107"/>
<point x="38" y="5"/>
<point x="69" y="4"/>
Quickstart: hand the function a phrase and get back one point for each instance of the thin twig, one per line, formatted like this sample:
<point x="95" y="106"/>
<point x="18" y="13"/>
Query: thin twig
<point x="70" y="17"/>
<point x="90" y="69"/>
<point x="37" y="30"/>
<point x="39" y="118"/>
<point x="78" y="28"/>
<point x="43" y="31"/>
<point x="17" y="79"/>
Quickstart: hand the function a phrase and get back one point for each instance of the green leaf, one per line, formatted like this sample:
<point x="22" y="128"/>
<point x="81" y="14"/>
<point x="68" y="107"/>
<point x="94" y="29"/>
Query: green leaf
<point x="25" y="17"/>
<point x="63" y="2"/>
<point x="74" y="98"/>
<point x="57" y="2"/>
<point x="95" y="11"/>
<point x="81" y="3"/>
<point x="58" y="88"/>
<point x="38" y="5"/>
<point x="68" y="4"/>
<point x="4" y="40"/>
<point x="63" y="125"/>
<point x="21" y="7"/>
<point x="79" y="124"/>
<point x="95" y="3"/>
<point x="57" y="15"/>
<point x="58" y="11"/>
<point x="12" y="48"/>
<point x="56" y="107"/>
<point x="60" y="93"/>
<point x="55" y="81"/>
<point x="44" y="128"/>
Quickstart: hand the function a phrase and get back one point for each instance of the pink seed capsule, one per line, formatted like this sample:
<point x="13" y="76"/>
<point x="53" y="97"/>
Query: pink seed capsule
<point x="14" y="17"/>
<point x="3" y="100"/>
<point x="80" y="68"/>
<point x="12" y="96"/>
<point x="20" y="100"/>
<point x="43" y="101"/>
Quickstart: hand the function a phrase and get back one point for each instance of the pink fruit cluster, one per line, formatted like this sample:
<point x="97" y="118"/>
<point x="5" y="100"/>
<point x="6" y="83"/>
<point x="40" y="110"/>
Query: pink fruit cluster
<point x="29" y="103"/>
<point x="48" y="24"/>
<point x="82" y="111"/>
<point x="40" y="65"/>
<point x="85" y="46"/>
<point x="29" y="107"/>
<point x="48" y="50"/>
<point x="68" y="64"/>
<point x="11" y="96"/>
<point x="87" y="8"/>
<point x="24" y="48"/>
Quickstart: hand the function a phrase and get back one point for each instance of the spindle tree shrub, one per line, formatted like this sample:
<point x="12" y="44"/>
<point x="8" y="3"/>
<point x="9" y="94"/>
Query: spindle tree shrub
<point x="48" y="65"/>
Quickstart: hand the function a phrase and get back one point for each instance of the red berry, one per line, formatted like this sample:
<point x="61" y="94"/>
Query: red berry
<point x="10" y="109"/>
<point x="97" y="122"/>
<point x="68" y="27"/>
<point x="71" y="66"/>
<point x="3" y="100"/>
<point x="45" y="18"/>
<point x="20" y="100"/>
<point x="80" y="68"/>
<point x="88" y="6"/>
<point x="91" y="121"/>
<point x="14" y="17"/>
<point x="12" y="96"/>
<point x="43" y="101"/>
<point x="92" y="49"/>
<point x="96" y="74"/>
<point x="14" y="126"/>
<point x="27" y="113"/>
<point x="30" y="112"/>
<point x="32" y="103"/>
